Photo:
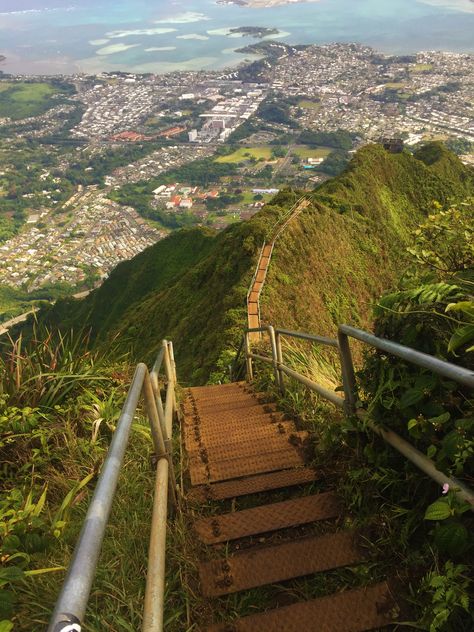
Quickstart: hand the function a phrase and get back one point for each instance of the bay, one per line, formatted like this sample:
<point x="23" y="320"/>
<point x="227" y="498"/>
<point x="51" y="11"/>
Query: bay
<point x="69" y="36"/>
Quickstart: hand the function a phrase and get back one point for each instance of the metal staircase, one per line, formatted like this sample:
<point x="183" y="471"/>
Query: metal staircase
<point x="237" y="445"/>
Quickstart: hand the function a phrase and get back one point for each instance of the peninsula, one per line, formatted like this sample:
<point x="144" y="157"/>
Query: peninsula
<point x="254" y="31"/>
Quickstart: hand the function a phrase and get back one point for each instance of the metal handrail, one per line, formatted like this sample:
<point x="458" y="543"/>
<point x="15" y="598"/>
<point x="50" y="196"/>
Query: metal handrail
<point x="349" y="402"/>
<point x="331" y="342"/>
<point x="441" y="367"/>
<point x="72" y="602"/>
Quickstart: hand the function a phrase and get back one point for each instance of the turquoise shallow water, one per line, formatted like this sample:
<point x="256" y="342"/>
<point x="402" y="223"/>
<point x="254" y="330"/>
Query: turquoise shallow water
<point x="64" y="36"/>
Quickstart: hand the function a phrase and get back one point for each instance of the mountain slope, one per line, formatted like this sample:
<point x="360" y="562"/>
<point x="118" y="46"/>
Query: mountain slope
<point x="349" y="257"/>
<point x="329" y="265"/>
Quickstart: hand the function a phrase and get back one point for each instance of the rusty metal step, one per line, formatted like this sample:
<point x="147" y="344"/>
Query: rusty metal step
<point x="238" y="416"/>
<point x="196" y="438"/>
<point x="208" y="405"/>
<point x="226" y="404"/>
<point x="253" y="484"/>
<point x="249" y="447"/>
<point x="279" y="562"/>
<point x="243" y="466"/>
<point x="289" y="513"/>
<point x="356" y="610"/>
<point x="238" y="393"/>
<point x="244" y="427"/>
<point x="214" y="387"/>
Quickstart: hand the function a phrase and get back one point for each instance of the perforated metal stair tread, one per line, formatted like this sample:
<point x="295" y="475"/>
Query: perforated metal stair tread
<point x="226" y="404"/>
<point x="250" y="447"/>
<point x="358" y="610"/>
<point x="266" y="518"/>
<point x="253" y="484"/>
<point x="243" y="466"/>
<point x="277" y="563"/>
<point x="215" y="416"/>
<point x="237" y="437"/>
<point x="196" y="390"/>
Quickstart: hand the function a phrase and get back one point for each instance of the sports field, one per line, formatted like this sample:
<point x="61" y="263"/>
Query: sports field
<point x="308" y="152"/>
<point x="244" y="153"/>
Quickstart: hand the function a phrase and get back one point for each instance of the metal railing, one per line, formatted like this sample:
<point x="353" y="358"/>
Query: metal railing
<point x="72" y="602"/>
<point x="349" y="402"/>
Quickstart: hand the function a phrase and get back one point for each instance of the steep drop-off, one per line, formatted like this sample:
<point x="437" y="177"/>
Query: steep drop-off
<point x="329" y="265"/>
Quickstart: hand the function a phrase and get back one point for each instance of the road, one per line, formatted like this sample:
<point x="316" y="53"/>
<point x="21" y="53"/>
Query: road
<point x="8" y="324"/>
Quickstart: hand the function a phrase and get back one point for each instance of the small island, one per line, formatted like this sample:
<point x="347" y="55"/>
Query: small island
<point x="2" y="58"/>
<point x="254" y="31"/>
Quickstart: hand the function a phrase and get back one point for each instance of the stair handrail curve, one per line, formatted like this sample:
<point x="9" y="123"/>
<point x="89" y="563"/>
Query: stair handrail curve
<point x="72" y="601"/>
<point x="349" y="403"/>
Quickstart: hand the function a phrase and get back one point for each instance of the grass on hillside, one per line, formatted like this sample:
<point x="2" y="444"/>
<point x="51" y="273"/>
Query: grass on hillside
<point x="244" y="153"/>
<point x="23" y="100"/>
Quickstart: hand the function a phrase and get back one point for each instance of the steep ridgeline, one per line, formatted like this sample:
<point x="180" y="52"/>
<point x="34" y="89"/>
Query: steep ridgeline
<point x="329" y="264"/>
<point x="336" y="257"/>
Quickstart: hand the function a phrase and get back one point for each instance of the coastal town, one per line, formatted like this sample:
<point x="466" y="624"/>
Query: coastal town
<point x="244" y="131"/>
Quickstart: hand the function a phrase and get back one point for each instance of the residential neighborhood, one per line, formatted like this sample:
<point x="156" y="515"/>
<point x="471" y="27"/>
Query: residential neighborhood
<point x="246" y="124"/>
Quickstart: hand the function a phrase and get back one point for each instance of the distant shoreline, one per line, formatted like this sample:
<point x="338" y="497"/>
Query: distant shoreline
<point x="264" y="4"/>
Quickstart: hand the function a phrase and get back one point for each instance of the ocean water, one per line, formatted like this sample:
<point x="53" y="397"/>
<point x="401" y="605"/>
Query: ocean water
<point x="67" y="36"/>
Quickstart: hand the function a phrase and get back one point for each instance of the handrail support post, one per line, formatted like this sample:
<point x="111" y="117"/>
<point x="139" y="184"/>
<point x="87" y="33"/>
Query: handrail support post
<point x="161" y="441"/>
<point x="348" y="374"/>
<point x="279" y="353"/>
<point x="271" y="333"/>
<point x="248" y="359"/>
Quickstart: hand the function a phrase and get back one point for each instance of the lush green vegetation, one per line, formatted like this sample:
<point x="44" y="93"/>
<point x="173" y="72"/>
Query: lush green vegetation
<point x="14" y="301"/>
<point x="20" y="100"/>
<point x="336" y="140"/>
<point x="411" y="524"/>
<point x="364" y="216"/>
<point x="29" y="180"/>
<point x="58" y="408"/>
<point x="370" y="231"/>
<point x="92" y="168"/>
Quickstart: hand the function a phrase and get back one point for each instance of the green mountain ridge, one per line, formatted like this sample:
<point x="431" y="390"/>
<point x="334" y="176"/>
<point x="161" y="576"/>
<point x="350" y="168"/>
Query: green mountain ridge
<point x="329" y="265"/>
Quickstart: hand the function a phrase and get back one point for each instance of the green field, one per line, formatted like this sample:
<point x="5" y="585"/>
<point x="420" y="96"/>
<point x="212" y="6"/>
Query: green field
<point x="394" y="86"/>
<point x="308" y="152"/>
<point x="22" y="100"/>
<point x="244" y="153"/>
<point x="306" y="104"/>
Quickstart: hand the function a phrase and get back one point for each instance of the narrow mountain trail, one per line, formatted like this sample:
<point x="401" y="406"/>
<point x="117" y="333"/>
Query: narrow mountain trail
<point x="239" y="446"/>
